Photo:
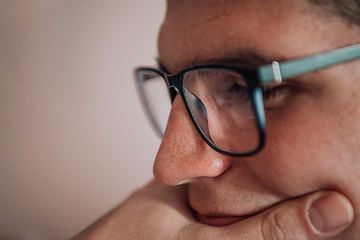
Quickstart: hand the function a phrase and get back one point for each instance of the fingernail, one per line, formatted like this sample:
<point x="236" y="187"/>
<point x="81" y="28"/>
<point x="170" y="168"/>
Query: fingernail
<point x="330" y="213"/>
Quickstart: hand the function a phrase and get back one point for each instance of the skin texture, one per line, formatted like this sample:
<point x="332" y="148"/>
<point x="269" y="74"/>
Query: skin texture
<point x="161" y="212"/>
<point x="312" y="129"/>
<point x="312" y="145"/>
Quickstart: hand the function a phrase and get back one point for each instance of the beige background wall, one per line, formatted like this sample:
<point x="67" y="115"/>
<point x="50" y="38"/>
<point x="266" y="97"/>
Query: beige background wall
<point x="74" y="141"/>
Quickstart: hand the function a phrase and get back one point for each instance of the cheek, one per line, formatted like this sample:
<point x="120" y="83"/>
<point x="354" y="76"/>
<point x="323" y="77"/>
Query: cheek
<point x="308" y="150"/>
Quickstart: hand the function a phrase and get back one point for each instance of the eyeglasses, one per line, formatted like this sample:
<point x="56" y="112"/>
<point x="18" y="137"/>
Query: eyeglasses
<point x="225" y="102"/>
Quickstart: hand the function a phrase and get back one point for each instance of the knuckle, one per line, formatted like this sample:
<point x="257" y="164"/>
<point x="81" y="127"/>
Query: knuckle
<point x="281" y="225"/>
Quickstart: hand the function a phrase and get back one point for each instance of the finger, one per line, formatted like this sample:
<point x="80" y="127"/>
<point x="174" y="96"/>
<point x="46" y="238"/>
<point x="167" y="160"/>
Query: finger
<point x="315" y="216"/>
<point x="319" y="215"/>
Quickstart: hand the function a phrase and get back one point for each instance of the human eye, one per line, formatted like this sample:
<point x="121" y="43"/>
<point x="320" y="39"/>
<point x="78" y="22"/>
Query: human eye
<point x="239" y="91"/>
<point x="275" y="96"/>
<point x="231" y="86"/>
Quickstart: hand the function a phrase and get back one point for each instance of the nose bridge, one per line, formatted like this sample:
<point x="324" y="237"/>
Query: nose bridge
<point x="171" y="80"/>
<point x="183" y="155"/>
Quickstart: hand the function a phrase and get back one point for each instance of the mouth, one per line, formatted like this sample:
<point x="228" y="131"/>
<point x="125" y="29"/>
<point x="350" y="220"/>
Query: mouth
<point x="218" y="221"/>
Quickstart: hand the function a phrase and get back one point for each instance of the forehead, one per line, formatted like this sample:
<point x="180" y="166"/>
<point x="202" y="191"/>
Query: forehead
<point x="196" y="31"/>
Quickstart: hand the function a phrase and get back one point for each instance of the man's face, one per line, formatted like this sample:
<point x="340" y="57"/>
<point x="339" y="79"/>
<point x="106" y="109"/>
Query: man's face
<point x="313" y="127"/>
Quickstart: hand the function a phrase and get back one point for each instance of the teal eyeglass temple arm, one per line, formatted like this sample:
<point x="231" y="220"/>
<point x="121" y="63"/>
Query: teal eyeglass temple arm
<point x="278" y="71"/>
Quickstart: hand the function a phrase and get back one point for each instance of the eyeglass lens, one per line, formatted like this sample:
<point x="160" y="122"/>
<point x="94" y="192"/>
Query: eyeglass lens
<point x="219" y="102"/>
<point x="155" y="98"/>
<point x="222" y="107"/>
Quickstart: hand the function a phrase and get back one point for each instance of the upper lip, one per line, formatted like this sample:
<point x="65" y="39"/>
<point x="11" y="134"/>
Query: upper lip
<point x="225" y="215"/>
<point x="220" y="215"/>
<point x="216" y="218"/>
<point x="219" y="219"/>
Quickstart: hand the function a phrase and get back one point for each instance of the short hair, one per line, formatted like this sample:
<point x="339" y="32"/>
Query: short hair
<point x="346" y="9"/>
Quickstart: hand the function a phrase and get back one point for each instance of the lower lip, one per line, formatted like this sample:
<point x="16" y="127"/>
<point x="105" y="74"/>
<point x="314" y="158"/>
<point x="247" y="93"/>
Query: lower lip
<point x="217" y="221"/>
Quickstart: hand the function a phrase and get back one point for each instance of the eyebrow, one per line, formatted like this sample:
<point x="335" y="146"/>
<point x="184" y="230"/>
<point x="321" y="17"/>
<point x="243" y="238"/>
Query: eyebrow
<point x="248" y="57"/>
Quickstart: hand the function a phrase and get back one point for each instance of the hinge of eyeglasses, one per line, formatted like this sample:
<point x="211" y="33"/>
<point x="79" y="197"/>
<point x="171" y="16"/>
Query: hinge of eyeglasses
<point x="277" y="72"/>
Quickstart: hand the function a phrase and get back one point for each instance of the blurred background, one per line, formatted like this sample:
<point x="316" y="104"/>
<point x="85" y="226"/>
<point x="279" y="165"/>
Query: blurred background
<point x="74" y="141"/>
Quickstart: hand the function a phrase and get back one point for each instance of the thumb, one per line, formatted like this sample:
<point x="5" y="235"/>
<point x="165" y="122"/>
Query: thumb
<point x="317" y="215"/>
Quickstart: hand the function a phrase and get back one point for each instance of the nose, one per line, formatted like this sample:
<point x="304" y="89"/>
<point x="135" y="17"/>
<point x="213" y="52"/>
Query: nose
<point x="183" y="155"/>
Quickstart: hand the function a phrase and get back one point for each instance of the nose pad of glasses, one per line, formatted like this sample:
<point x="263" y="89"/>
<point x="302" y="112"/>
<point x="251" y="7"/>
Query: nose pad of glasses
<point x="199" y="113"/>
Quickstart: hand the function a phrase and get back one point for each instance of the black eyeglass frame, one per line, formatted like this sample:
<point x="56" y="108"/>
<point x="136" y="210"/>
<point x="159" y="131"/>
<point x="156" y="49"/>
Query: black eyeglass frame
<point x="255" y="77"/>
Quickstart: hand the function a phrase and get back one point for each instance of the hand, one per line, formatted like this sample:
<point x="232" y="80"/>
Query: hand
<point x="162" y="212"/>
